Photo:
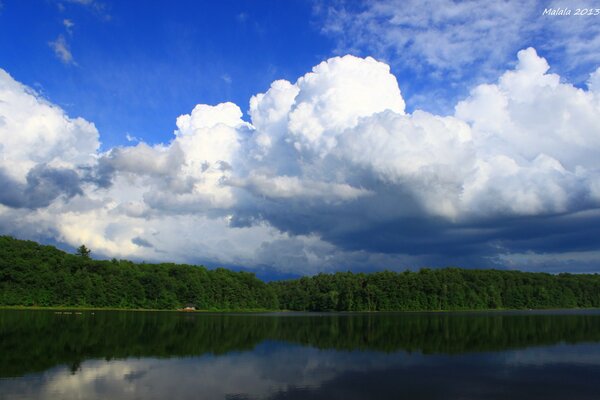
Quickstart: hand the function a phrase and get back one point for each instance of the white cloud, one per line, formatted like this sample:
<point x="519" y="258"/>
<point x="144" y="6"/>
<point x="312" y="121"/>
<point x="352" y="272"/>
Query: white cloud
<point x="34" y="131"/>
<point x="447" y="35"/>
<point x="99" y="8"/>
<point x="436" y="46"/>
<point x="336" y="95"/>
<point x="131" y="138"/>
<point x="226" y="78"/>
<point x="330" y="172"/>
<point x="287" y="187"/>
<point x="68" y="25"/>
<point x="236" y="374"/>
<point x="538" y="140"/>
<point x="61" y="50"/>
<point x="594" y="81"/>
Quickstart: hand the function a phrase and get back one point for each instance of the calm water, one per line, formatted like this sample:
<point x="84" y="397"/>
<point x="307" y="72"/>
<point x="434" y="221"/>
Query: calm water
<point x="138" y="355"/>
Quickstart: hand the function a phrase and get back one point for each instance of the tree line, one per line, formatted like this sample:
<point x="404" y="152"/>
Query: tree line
<point x="35" y="275"/>
<point x="439" y="289"/>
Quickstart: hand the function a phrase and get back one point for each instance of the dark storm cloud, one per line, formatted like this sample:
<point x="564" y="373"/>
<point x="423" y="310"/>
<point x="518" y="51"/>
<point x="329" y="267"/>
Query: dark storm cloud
<point x="12" y="192"/>
<point x="101" y="174"/>
<point x="138" y="241"/>
<point x="394" y="223"/>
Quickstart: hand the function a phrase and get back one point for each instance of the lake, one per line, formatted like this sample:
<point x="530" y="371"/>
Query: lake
<point x="167" y="355"/>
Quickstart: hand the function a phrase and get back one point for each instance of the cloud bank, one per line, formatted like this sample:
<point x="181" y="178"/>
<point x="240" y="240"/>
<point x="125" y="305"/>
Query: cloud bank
<point x="329" y="172"/>
<point x="435" y="46"/>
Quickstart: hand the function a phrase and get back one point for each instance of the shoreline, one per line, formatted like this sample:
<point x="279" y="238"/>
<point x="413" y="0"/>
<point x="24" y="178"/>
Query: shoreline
<point x="83" y="308"/>
<point x="260" y="311"/>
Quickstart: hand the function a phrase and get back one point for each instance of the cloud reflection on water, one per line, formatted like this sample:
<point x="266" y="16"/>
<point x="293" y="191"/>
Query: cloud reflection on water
<point x="279" y="370"/>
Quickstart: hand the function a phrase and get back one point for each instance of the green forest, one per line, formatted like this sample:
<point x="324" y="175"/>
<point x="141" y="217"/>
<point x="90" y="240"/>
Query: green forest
<point x="35" y="275"/>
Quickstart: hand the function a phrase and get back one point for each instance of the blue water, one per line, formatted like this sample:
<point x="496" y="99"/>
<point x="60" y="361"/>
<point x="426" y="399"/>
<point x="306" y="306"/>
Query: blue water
<point x="128" y="355"/>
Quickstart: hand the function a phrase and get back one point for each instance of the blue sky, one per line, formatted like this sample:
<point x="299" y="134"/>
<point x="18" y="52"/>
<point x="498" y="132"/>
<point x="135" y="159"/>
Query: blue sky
<point x="292" y="137"/>
<point x="137" y="66"/>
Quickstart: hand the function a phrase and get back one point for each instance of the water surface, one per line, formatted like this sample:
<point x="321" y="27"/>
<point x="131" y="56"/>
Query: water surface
<point x="147" y="355"/>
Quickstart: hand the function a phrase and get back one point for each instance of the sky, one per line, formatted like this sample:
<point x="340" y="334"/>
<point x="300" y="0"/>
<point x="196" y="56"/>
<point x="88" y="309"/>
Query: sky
<point x="304" y="136"/>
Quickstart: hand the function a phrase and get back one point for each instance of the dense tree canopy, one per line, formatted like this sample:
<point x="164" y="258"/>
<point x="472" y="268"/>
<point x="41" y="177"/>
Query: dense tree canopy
<point x="441" y="289"/>
<point x="36" y="275"/>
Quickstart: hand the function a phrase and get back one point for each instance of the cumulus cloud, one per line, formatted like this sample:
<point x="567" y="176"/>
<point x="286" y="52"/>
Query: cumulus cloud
<point x="330" y="172"/>
<point x="35" y="132"/>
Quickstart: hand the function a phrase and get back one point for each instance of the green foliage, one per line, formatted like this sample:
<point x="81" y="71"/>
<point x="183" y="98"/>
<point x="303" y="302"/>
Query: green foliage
<point x="442" y="289"/>
<point x="36" y="275"/>
<point x="83" y="251"/>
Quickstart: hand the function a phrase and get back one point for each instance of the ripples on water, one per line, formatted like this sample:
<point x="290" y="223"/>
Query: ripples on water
<point x="143" y="355"/>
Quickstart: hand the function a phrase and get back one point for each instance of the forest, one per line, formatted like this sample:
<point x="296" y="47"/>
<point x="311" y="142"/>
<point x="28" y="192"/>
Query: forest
<point x="36" y="275"/>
